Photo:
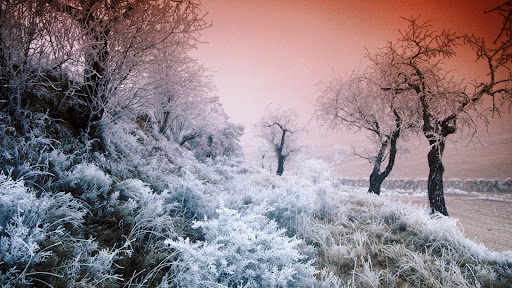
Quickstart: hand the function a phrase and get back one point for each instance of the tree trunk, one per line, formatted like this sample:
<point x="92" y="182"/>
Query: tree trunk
<point x="279" y="152"/>
<point x="435" y="177"/>
<point x="377" y="177"/>
<point x="280" y="164"/>
<point x="164" y="123"/>
<point x="376" y="180"/>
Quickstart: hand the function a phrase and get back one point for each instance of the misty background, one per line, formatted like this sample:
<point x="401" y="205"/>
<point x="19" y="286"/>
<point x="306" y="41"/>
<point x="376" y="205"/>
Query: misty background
<point x="264" y="54"/>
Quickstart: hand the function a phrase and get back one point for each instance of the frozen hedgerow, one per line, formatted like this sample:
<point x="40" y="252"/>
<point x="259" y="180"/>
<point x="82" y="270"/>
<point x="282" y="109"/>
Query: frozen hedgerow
<point x="241" y="249"/>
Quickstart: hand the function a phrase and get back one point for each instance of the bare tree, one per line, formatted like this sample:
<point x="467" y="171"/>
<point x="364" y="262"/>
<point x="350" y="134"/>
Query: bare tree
<point x="25" y="59"/>
<point x="414" y="63"/>
<point x="120" y="39"/>
<point x="279" y="129"/>
<point x="89" y="57"/>
<point x="356" y="104"/>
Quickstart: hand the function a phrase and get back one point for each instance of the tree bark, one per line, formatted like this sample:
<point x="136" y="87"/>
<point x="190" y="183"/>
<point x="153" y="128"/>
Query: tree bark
<point x="436" y="132"/>
<point x="377" y="177"/>
<point x="376" y="180"/>
<point x="435" y="177"/>
<point x="279" y="151"/>
<point x="280" y="164"/>
<point x="165" y="120"/>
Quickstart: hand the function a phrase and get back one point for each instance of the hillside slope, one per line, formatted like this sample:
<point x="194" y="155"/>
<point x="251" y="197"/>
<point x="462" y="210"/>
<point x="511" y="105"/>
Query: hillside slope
<point x="146" y="212"/>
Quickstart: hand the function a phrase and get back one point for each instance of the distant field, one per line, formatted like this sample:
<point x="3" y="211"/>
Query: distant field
<point x="484" y="217"/>
<point x="488" y="157"/>
<point x="489" y="162"/>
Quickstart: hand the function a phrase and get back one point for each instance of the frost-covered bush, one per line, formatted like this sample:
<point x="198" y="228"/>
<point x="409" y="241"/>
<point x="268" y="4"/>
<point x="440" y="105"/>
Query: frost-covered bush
<point x="32" y="228"/>
<point x="88" y="265"/>
<point x="315" y="170"/>
<point x="188" y="197"/>
<point x="23" y="151"/>
<point x="148" y="213"/>
<point x="89" y="183"/>
<point x="149" y="218"/>
<point x="289" y="207"/>
<point x="27" y="143"/>
<point x="241" y="250"/>
<point x="157" y="161"/>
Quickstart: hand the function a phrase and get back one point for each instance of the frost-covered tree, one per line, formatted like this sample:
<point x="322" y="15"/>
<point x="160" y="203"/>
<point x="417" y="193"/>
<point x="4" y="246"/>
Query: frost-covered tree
<point x="221" y="139"/>
<point x="414" y="63"/>
<point x="25" y="60"/>
<point x="104" y="46"/>
<point x="359" y="104"/>
<point x="186" y="110"/>
<point x="182" y="95"/>
<point x="280" y="129"/>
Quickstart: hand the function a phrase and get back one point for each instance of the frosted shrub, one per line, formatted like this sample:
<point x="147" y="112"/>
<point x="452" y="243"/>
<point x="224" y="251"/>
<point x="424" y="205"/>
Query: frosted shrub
<point x="188" y="197"/>
<point x="241" y="250"/>
<point x="20" y="245"/>
<point x="89" y="182"/>
<point x="315" y="170"/>
<point x="98" y="267"/>
<point x="24" y="147"/>
<point x="31" y="228"/>
<point x="59" y="162"/>
<point x="290" y="205"/>
<point x="146" y="211"/>
<point x="87" y="265"/>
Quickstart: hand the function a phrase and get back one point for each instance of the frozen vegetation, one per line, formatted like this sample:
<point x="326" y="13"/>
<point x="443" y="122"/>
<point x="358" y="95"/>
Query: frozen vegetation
<point x="120" y="168"/>
<point x="149" y="213"/>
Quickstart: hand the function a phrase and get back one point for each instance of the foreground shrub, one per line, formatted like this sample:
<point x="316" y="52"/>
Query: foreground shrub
<point x="32" y="228"/>
<point x="241" y="250"/>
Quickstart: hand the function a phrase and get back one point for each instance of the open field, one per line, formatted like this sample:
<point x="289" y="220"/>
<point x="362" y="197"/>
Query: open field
<point x="484" y="217"/>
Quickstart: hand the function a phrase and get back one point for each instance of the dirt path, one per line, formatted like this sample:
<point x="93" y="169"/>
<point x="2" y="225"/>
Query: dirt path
<point x="484" y="218"/>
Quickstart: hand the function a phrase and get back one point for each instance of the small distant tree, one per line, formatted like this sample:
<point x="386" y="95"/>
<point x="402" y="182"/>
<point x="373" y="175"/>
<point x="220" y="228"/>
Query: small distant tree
<point x="279" y="129"/>
<point x="358" y="103"/>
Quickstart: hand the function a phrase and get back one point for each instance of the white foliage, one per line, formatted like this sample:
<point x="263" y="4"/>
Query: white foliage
<point x="92" y="182"/>
<point x="20" y="245"/>
<point x="147" y="212"/>
<point x="315" y="170"/>
<point x="241" y="249"/>
<point x="28" y="221"/>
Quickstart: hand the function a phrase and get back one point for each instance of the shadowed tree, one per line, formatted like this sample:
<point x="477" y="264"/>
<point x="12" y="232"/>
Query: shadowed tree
<point x="118" y="40"/>
<point x="358" y="104"/>
<point x="414" y="63"/>
<point x="279" y="129"/>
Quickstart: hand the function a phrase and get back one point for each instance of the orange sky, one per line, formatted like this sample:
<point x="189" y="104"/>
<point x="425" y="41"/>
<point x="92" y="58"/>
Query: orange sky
<point x="266" y="52"/>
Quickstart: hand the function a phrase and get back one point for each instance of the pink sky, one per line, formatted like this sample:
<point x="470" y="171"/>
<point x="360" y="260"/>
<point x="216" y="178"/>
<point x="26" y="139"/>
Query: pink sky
<point x="266" y="52"/>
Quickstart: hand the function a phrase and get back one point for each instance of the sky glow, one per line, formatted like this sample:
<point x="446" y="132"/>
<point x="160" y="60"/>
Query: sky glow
<point x="275" y="53"/>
